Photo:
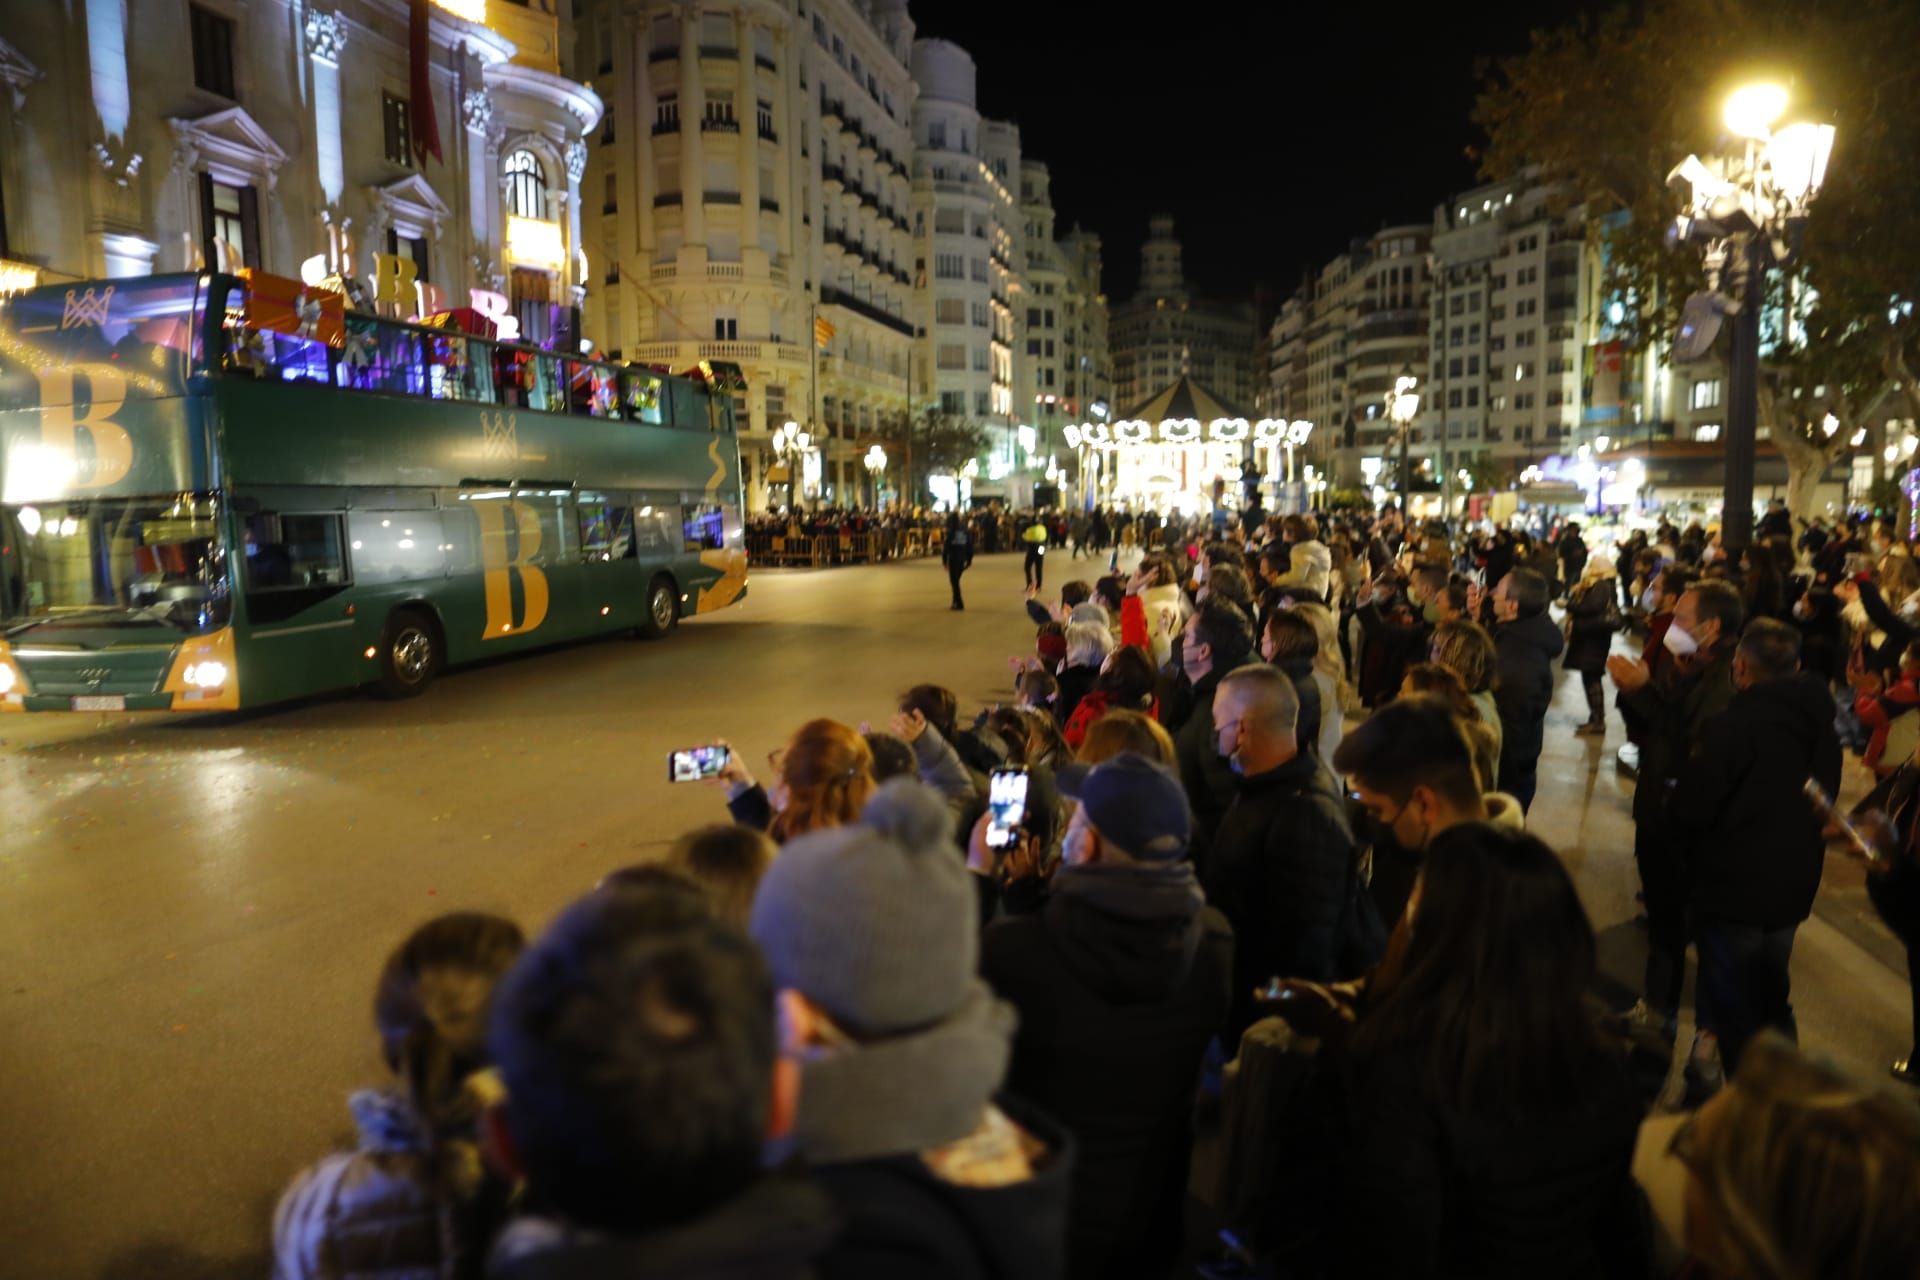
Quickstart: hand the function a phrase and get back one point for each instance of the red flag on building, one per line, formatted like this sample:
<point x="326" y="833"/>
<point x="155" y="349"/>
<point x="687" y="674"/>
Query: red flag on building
<point x="420" y="117"/>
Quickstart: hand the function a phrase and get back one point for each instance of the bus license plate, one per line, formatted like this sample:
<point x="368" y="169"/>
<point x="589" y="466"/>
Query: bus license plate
<point x="114" y="702"/>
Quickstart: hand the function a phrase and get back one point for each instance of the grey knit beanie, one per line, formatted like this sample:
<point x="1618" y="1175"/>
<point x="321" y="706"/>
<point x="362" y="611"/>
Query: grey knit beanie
<point x="877" y="923"/>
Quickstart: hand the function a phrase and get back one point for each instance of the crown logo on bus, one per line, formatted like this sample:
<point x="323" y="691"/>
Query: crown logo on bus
<point x="498" y="436"/>
<point x="85" y="309"/>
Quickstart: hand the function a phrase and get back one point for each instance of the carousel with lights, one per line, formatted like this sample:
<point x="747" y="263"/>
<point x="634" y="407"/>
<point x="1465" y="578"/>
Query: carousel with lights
<point x="1172" y="453"/>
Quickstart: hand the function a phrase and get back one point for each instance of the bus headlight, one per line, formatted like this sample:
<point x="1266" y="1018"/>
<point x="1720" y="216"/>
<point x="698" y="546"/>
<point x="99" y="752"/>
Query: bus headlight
<point x="205" y="675"/>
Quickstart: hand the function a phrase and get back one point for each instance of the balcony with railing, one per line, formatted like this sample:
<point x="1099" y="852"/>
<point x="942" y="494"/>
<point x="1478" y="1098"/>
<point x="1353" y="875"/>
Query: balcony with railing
<point x="724" y="52"/>
<point x="719" y="124"/>
<point x="835" y="297"/>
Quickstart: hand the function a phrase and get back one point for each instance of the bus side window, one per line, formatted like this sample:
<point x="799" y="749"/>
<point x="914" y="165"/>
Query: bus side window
<point x="297" y="551"/>
<point x="657" y="529"/>
<point x="545" y="390"/>
<point x="645" y="396"/>
<point x="703" y="527"/>
<point x="606" y="530"/>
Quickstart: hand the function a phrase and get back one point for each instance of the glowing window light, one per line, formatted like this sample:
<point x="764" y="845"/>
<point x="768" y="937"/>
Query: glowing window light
<point x="533" y="242"/>
<point x="107" y="62"/>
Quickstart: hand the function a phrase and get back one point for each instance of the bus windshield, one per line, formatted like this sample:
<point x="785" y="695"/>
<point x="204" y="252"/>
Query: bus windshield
<point x="146" y="330"/>
<point x="113" y="562"/>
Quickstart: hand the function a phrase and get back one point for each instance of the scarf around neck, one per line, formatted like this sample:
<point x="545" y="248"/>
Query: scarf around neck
<point x="908" y="1093"/>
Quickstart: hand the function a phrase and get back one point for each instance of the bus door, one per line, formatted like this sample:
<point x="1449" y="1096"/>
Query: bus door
<point x="613" y="592"/>
<point x="297" y="580"/>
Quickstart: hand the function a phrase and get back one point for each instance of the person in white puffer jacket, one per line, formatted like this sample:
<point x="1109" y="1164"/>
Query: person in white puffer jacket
<point x="1309" y="561"/>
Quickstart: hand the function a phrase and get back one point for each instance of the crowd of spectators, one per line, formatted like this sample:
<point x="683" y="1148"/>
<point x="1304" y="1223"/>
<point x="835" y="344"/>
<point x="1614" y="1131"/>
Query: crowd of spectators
<point x="1271" y="980"/>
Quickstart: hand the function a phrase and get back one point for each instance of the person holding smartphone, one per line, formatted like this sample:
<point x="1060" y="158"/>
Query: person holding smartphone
<point x="1120" y="980"/>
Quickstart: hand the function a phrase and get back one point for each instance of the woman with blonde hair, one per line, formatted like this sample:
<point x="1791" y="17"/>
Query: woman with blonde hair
<point x="1797" y="1170"/>
<point x="824" y="776"/>
<point x="1337" y="698"/>
<point x="1464" y="648"/>
<point x="1120" y="731"/>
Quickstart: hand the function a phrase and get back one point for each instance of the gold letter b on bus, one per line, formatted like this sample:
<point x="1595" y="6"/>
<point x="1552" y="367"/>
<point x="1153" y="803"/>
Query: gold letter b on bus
<point x="501" y="565"/>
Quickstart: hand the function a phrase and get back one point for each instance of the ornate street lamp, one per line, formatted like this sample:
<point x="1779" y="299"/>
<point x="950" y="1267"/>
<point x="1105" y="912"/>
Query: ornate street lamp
<point x="1403" y="405"/>
<point x="1747" y="213"/>
<point x="876" y="461"/>
<point x="792" y="445"/>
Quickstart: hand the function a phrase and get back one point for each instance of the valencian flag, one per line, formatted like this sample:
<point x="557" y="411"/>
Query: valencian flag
<point x="420" y="117"/>
<point x="823" y="331"/>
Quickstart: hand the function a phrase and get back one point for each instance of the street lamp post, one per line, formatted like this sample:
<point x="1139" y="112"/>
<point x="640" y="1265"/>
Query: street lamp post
<point x="791" y="445"/>
<point x="1403" y="404"/>
<point x="876" y="461"/>
<point x="1747" y="213"/>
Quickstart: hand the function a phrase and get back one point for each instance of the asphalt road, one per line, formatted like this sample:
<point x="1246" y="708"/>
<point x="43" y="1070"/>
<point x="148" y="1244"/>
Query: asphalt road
<point x="195" y="909"/>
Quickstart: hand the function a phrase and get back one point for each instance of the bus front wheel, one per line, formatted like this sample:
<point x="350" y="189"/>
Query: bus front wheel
<point x="409" y="654"/>
<point x="663" y="610"/>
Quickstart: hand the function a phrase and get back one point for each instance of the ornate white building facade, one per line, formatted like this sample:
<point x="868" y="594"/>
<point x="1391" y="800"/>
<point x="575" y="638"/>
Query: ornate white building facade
<point x="163" y="135"/>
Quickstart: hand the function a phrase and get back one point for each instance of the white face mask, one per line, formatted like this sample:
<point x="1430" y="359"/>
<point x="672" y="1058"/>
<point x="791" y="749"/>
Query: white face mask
<point x="1679" y="643"/>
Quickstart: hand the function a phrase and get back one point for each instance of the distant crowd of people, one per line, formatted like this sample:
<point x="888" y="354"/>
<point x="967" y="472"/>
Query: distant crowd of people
<point x="847" y="1034"/>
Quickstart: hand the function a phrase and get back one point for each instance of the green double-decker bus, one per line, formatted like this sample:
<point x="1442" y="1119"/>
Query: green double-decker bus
<point x="213" y="499"/>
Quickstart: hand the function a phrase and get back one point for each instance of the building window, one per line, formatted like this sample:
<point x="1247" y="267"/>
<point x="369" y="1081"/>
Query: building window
<point x="718" y="116"/>
<point x="410" y="247"/>
<point x="610" y="202"/>
<point x="1707" y="432"/>
<point x="982" y="403"/>
<point x="949" y="266"/>
<point x="953" y="403"/>
<point x="1706" y="394"/>
<point x="212" y="51"/>
<point x="937" y="135"/>
<point x="981" y="317"/>
<point x="229" y="216"/>
<point x="978" y="268"/>
<point x="763" y="118"/>
<point x="666" y="113"/>
<point x="981" y="363"/>
<point x="951" y="356"/>
<point x="950" y="311"/>
<point x="399" y="131"/>
<point x="526" y="185"/>
<point x="726" y="329"/>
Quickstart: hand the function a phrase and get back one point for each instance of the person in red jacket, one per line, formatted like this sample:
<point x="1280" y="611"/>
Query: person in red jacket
<point x="1883" y="708"/>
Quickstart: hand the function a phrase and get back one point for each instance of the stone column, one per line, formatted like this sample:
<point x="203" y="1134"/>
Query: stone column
<point x="785" y="169"/>
<point x="326" y="38"/>
<point x="749" y="115"/>
<point x="693" y="159"/>
<point x="483" y="185"/>
<point x="575" y="158"/>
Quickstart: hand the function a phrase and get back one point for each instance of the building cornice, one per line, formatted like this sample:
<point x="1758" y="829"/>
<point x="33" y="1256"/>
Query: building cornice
<point x="576" y="99"/>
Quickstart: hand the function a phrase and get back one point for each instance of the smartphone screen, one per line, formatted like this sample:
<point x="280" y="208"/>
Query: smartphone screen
<point x="695" y="763"/>
<point x="1006" y="806"/>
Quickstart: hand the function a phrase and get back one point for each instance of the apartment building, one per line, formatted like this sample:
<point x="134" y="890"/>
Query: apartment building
<point x="754" y="201"/>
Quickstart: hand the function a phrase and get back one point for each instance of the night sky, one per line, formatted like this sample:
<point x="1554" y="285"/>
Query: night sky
<point x="1274" y="133"/>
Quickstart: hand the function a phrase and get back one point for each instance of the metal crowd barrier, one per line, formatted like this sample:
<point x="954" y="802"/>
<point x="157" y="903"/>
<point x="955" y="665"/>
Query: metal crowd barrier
<point x="811" y="550"/>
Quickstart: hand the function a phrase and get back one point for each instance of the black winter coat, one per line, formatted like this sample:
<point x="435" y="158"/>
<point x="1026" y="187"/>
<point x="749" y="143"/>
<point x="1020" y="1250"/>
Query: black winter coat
<point x="1427" y="1190"/>
<point x="1525" y="649"/>
<point x="1115" y="1016"/>
<point x="1282" y="872"/>
<point x="902" y="1220"/>
<point x="1755" y="841"/>
<point x="772" y="1231"/>
<point x="1593" y="614"/>
<point x="1674" y="710"/>
<point x="1204" y="772"/>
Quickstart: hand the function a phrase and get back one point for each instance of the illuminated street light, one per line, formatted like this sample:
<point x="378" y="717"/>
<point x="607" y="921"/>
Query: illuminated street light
<point x="876" y="462"/>
<point x="1747" y="213"/>
<point x="1403" y="405"/>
